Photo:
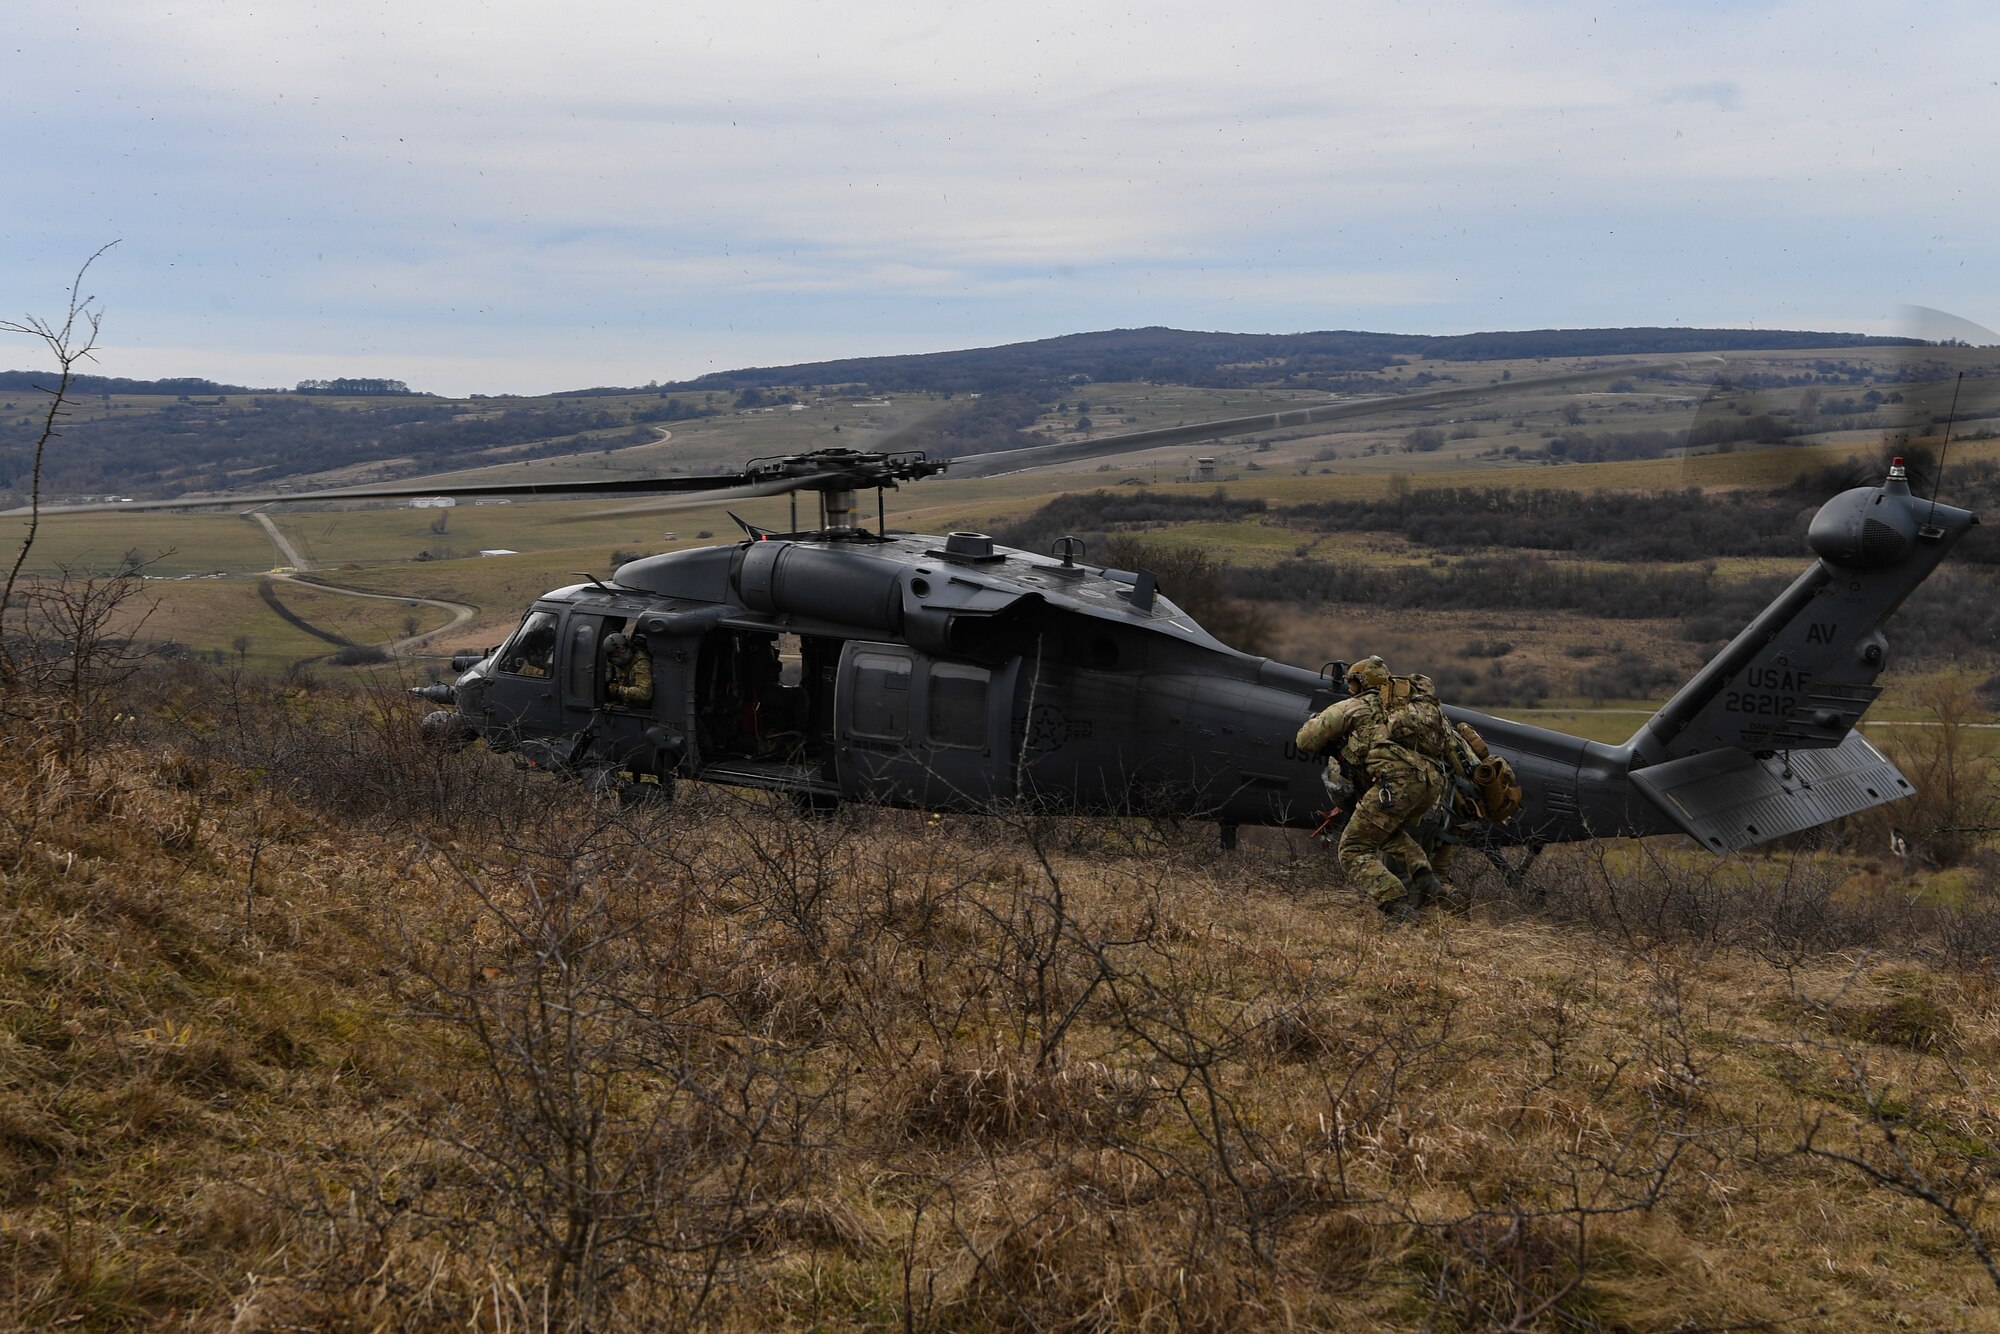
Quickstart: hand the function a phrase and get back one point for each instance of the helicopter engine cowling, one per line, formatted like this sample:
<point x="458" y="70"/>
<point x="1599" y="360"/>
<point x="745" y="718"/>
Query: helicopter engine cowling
<point x="792" y="578"/>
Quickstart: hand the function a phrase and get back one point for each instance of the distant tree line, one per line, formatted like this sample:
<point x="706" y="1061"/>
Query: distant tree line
<point x="353" y="388"/>
<point x="1683" y="525"/>
<point x="981" y="426"/>
<point x="181" y="447"/>
<point x="84" y="385"/>
<point x="1095" y="515"/>
<point x="674" y="410"/>
<point x="1954" y="616"/>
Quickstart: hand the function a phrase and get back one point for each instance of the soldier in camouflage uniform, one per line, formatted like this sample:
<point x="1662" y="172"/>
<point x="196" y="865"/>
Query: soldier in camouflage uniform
<point x="1383" y="743"/>
<point x="630" y="680"/>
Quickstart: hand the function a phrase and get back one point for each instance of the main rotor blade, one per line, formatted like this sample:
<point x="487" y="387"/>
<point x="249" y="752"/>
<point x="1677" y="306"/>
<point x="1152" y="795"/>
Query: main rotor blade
<point x="897" y="437"/>
<point x="775" y="487"/>
<point x="1042" y="456"/>
<point x="1760" y="433"/>
<point x="547" y="490"/>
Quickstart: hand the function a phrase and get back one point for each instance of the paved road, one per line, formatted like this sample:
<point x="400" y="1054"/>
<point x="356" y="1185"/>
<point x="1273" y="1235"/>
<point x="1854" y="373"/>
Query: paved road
<point x="286" y="550"/>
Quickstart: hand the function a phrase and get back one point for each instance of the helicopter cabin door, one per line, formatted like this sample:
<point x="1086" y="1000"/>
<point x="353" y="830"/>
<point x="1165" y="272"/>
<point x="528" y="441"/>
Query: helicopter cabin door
<point x="918" y="731"/>
<point x="621" y="728"/>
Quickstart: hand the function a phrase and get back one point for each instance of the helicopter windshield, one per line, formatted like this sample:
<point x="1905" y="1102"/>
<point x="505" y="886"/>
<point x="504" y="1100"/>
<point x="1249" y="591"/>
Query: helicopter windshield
<point x="529" y="650"/>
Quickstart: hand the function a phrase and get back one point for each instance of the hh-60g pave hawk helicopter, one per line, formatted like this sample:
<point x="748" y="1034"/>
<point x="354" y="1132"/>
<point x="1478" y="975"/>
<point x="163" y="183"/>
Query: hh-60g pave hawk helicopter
<point x="950" y="673"/>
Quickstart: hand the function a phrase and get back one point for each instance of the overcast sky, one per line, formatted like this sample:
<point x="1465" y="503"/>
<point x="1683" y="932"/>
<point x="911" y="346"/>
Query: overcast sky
<point x="520" y="197"/>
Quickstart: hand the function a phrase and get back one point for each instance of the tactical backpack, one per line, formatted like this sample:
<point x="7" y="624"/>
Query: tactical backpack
<point x="1414" y="718"/>
<point x="1486" y="787"/>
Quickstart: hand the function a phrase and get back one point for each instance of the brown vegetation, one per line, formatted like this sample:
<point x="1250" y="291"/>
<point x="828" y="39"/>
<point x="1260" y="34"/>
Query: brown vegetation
<point x="305" y="1023"/>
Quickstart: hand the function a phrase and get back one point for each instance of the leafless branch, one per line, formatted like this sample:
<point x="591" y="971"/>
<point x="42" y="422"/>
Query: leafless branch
<point x="72" y="340"/>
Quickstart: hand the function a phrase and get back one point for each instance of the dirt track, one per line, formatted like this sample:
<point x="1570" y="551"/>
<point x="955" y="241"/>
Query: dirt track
<point x="460" y="612"/>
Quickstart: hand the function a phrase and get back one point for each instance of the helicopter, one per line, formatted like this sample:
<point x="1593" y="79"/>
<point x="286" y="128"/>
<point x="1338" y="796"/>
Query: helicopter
<point x="839" y="664"/>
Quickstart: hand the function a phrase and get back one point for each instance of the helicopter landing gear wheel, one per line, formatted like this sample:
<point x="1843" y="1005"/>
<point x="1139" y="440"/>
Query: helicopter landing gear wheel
<point x="638" y="792"/>
<point x="628" y="789"/>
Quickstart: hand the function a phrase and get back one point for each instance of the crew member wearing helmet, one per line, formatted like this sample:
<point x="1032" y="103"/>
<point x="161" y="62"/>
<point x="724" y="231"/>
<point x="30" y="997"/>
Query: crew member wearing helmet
<point x="631" y="682"/>
<point x="1395" y="787"/>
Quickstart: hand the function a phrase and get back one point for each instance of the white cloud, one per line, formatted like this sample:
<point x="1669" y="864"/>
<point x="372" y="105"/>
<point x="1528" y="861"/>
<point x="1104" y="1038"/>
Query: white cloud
<point x="403" y="176"/>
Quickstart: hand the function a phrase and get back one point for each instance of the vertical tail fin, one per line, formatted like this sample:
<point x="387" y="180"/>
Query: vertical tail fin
<point x="1802" y="673"/>
<point x="1761" y="743"/>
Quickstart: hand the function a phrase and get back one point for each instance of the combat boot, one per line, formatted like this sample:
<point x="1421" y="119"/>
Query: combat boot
<point x="1399" y="911"/>
<point x="1427" y="889"/>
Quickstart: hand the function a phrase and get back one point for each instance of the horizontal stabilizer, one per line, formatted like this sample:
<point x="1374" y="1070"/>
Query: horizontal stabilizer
<point x="1730" y="799"/>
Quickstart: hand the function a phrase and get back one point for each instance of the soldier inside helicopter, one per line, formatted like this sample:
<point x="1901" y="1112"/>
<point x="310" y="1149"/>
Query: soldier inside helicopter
<point x="765" y="696"/>
<point x="530" y="648"/>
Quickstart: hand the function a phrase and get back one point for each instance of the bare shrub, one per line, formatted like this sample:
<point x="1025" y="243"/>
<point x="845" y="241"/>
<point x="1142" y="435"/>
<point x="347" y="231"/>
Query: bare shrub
<point x="70" y="341"/>
<point x="70" y="653"/>
<point x="622" y="1139"/>
<point x="356" y="753"/>
<point x="1052" y="1258"/>
<point x="1652" y="892"/>
<point x="1917" y="1126"/>
<point x="1958" y="787"/>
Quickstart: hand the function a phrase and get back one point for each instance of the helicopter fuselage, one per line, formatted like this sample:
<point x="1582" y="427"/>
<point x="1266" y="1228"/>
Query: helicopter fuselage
<point x="948" y="674"/>
<point x="955" y="674"/>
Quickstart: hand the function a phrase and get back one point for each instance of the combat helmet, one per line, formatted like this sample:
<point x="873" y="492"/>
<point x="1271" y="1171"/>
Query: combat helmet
<point x="617" y="645"/>
<point x="1371" y="673"/>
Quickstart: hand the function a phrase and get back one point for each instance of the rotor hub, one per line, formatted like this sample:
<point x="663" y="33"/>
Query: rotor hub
<point x="831" y="472"/>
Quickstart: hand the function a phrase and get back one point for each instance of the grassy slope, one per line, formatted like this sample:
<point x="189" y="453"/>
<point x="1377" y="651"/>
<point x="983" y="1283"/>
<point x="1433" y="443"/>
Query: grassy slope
<point x="1256" y="1106"/>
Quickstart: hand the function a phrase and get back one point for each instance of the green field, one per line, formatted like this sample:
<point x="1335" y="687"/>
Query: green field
<point x="395" y="549"/>
<point x="177" y="544"/>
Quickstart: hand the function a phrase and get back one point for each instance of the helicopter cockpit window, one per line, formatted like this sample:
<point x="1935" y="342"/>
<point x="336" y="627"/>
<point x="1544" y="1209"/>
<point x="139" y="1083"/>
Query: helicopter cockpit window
<point x="530" y="649"/>
<point x="957" y="708"/>
<point x="881" y="705"/>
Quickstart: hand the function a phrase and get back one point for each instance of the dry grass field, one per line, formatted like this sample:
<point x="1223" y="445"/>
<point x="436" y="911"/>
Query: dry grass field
<point x="307" y="1024"/>
<point x="303" y="1025"/>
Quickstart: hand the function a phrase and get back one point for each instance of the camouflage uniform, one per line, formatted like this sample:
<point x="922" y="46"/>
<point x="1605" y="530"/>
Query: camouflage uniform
<point x="631" y="682"/>
<point x="1397" y="785"/>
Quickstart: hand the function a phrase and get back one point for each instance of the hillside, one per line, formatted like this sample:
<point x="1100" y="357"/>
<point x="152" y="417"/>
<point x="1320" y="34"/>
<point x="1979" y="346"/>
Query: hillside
<point x="161" y="439"/>
<point x="305" y="1025"/>
<point x="1233" y="360"/>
